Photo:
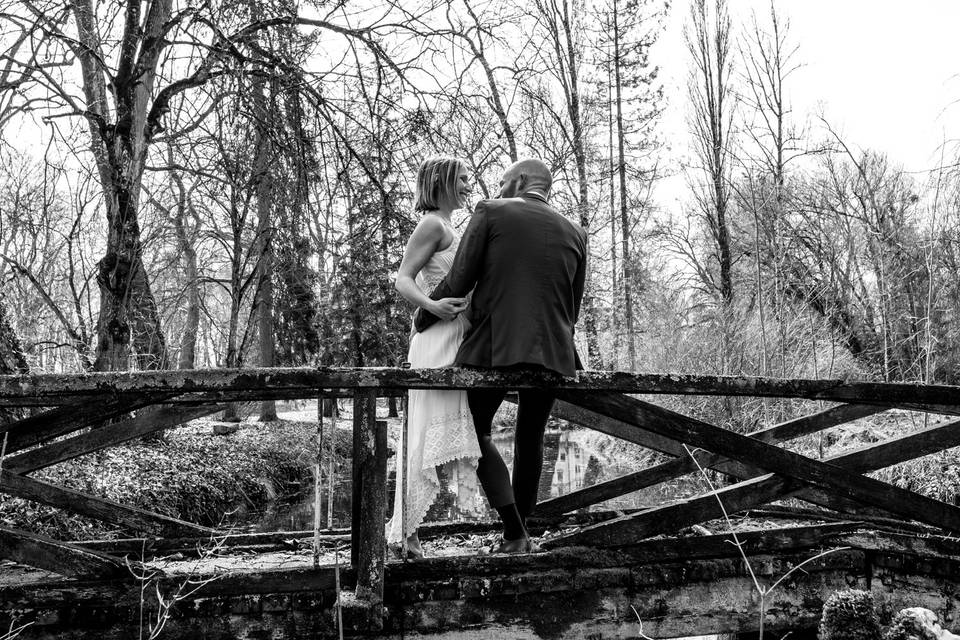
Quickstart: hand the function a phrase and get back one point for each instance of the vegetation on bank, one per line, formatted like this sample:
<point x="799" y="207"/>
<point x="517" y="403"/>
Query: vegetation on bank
<point x="190" y="474"/>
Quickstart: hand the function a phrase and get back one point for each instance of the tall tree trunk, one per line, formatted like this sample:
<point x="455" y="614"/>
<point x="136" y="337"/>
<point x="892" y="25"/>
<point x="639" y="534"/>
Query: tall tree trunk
<point x="568" y="54"/>
<point x="627" y="280"/>
<point x="191" y="323"/>
<point x="264" y="191"/>
<point x="234" y="352"/>
<point x="614" y="280"/>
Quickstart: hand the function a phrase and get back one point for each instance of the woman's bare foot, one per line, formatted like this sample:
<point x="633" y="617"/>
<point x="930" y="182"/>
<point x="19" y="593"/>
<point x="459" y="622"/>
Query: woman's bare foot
<point x="414" y="549"/>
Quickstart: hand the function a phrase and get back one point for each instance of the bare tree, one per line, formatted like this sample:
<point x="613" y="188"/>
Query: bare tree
<point x="712" y="102"/>
<point x="133" y="61"/>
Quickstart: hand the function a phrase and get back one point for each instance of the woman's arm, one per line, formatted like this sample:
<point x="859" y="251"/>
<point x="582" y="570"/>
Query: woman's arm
<point x="423" y="243"/>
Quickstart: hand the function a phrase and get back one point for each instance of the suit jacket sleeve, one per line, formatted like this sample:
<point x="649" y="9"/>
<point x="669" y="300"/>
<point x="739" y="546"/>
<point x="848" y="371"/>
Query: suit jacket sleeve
<point x="580" y="279"/>
<point x="579" y="283"/>
<point x="466" y="267"/>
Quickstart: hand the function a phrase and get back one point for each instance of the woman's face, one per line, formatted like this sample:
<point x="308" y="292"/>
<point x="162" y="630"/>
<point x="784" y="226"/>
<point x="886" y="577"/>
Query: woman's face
<point x="463" y="187"/>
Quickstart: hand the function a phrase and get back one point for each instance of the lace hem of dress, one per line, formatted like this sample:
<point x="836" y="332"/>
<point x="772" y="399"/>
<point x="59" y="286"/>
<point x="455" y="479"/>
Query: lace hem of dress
<point x="460" y="440"/>
<point x="424" y="485"/>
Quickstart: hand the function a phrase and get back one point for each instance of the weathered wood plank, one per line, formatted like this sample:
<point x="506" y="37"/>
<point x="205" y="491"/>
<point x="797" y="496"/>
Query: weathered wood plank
<point x="682" y="465"/>
<point x="145" y="423"/>
<point x="263" y="383"/>
<point x="93" y="506"/>
<point x="373" y="509"/>
<point x="757" y="491"/>
<point x="364" y="417"/>
<point x="657" y="442"/>
<point x="621" y="486"/>
<point x="772" y="458"/>
<point x="78" y="414"/>
<point x="68" y="560"/>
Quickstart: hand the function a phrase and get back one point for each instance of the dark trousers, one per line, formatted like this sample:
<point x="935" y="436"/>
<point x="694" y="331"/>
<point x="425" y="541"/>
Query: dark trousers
<point x="532" y="412"/>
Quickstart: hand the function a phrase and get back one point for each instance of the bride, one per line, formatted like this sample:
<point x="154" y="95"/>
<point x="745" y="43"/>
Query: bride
<point x="439" y="424"/>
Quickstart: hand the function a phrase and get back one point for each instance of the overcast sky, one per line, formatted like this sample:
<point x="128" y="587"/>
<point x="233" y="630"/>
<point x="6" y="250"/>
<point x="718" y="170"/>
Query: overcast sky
<point x="884" y="73"/>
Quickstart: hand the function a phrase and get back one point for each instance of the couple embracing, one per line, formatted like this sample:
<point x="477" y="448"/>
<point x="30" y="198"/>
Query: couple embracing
<point x="504" y="296"/>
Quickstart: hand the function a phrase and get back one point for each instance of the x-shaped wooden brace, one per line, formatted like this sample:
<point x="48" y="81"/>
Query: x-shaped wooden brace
<point x="839" y="476"/>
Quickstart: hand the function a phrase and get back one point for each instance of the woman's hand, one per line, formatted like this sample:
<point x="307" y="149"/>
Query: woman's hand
<point x="447" y="308"/>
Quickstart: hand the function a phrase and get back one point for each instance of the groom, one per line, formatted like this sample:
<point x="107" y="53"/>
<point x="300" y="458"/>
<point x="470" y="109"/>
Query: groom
<point x="526" y="265"/>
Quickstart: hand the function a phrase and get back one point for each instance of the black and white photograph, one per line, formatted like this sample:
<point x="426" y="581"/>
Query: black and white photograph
<point x="479" y="319"/>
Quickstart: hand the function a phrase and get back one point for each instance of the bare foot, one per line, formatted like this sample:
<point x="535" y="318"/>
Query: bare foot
<point x="414" y="549"/>
<point x="520" y="545"/>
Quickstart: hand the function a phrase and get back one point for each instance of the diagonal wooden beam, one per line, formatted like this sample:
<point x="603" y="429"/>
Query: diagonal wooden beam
<point x="145" y="423"/>
<point x="756" y="491"/>
<point x="658" y="442"/>
<point x="771" y="458"/>
<point x="683" y="465"/>
<point x="93" y="506"/>
<point x="72" y="417"/>
<point x="59" y="557"/>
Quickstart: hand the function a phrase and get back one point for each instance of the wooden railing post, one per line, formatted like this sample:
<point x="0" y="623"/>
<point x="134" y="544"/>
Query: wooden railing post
<point x="368" y="541"/>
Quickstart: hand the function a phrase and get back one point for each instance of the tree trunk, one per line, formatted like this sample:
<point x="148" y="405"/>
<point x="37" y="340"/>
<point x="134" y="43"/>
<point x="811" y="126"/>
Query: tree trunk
<point x="580" y="158"/>
<point x="233" y="355"/>
<point x="614" y="307"/>
<point x="264" y="191"/>
<point x="191" y="324"/>
<point x="627" y="280"/>
<point x="129" y="322"/>
<point x="12" y="361"/>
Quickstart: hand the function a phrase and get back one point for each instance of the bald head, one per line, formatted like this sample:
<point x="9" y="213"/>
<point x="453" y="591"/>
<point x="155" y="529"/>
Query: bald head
<point x="524" y="176"/>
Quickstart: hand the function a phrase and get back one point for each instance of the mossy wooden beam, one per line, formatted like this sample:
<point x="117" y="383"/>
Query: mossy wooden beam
<point x="145" y="423"/>
<point x="79" y="413"/>
<point x="94" y="506"/>
<point x="59" y="557"/>
<point x="268" y="383"/>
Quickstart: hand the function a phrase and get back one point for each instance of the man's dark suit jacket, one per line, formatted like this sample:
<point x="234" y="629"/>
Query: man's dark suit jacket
<point x="526" y="264"/>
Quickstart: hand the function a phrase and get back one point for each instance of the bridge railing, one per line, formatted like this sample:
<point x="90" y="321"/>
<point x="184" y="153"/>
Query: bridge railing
<point x="764" y="471"/>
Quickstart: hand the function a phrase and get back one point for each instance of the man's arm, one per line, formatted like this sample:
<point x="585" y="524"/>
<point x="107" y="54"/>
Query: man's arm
<point x="466" y="267"/>
<point x="579" y="283"/>
<point x="580" y="278"/>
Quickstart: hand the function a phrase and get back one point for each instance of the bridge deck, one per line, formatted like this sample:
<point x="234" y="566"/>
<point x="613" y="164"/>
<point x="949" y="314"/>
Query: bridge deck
<point x="595" y="579"/>
<point x="678" y="586"/>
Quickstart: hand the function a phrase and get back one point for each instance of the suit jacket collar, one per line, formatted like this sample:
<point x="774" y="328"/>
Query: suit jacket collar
<point x="533" y="195"/>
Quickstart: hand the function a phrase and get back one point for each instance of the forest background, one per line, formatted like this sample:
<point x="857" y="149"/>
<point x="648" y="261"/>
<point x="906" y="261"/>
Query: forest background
<point x="193" y="184"/>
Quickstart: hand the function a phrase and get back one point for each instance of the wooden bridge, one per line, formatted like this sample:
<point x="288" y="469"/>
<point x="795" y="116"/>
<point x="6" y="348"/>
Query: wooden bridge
<point x="602" y="572"/>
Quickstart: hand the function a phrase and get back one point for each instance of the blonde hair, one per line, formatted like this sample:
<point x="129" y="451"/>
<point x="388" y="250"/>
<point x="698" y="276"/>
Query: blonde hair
<point x="436" y="181"/>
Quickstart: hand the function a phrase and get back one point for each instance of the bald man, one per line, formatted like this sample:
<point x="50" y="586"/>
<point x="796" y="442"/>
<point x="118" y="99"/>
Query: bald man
<point x="526" y="266"/>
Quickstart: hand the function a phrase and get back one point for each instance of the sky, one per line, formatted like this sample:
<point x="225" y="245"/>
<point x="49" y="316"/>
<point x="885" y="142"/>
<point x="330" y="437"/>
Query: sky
<point x="884" y="73"/>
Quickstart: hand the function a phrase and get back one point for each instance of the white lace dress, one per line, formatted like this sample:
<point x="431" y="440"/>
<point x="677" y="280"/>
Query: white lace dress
<point x="439" y="424"/>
